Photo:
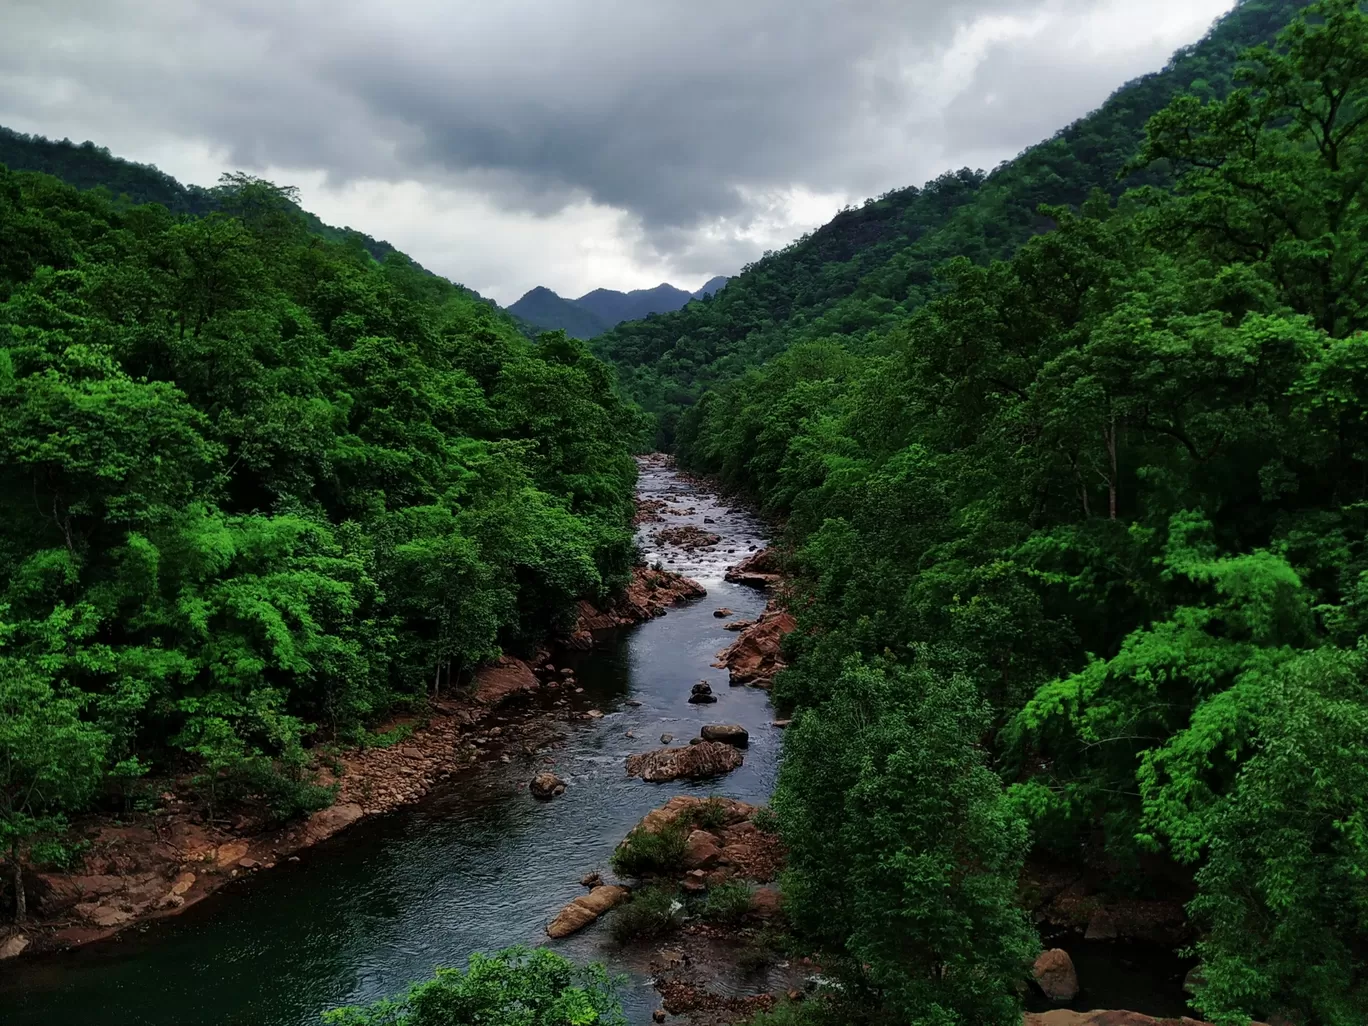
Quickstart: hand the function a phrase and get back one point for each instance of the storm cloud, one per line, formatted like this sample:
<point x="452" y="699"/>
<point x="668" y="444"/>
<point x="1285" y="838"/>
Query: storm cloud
<point x="648" y="138"/>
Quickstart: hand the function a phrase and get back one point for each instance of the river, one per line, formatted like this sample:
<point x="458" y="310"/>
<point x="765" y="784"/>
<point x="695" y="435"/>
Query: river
<point x="476" y="866"/>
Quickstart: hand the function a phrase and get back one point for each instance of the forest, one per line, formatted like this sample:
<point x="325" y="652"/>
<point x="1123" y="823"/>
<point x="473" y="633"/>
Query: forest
<point x="1078" y="538"/>
<point x="259" y="490"/>
<point x="1069" y="463"/>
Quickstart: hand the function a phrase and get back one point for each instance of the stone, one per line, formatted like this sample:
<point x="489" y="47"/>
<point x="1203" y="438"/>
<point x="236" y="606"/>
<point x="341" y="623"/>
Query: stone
<point x="504" y="680"/>
<point x="780" y="724"/>
<point x="701" y="850"/>
<point x="760" y="570"/>
<point x="658" y="1015"/>
<point x="546" y="786"/>
<point x="665" y="739"/>
<point x="765" y="903"/>
<point x="1055" y="976"/>
<point x="585" y="909"/>
<point x="105" y="916"/>
<point x="756" y="654"/>
<point x="722" y="613"/>
<point x="738" y="625"/>
<point x="13" y="946"/>
<point x="1101" y="927"/>
<point x="591" y="880"/>
<point x="707" y="759"/>
<point x="1105" y="1017"/>
<point x="702" y="693"/>
<point x="326" y="822"/>
<point x="229" y="853"/>
<point x="727" y="733"/>
<point x="593" y="714"/>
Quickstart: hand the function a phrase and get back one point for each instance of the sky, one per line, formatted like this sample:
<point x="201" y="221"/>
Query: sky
<point x="576" y="144"/>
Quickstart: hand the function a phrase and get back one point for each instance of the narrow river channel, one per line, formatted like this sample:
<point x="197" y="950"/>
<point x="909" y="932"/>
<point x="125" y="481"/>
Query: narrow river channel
<point x="476" y="866"/>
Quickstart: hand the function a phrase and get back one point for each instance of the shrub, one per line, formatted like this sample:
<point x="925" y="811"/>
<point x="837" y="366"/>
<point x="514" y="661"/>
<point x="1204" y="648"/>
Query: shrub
<point x="765" y="820"/>
<point x="652" y="912"/>
<point x="727" y="903"/>
<point x="710" y="815"/>
<point x="642" y="853"/>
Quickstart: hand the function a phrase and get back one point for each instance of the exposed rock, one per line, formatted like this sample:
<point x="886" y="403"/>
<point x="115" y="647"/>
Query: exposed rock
<point x="780" y="724"/>
<point x="694" y="762"/>
<point x="13" y="946"/>
<point x="665" y="739"/>
<point x="648" y="595"/>
<point x="722" y="613"/>
<point x="104" y="916"/>
<point x="1054" y="974"/>
<point x="686" y="536"/>
<point x="326" y="822"/>
<point x="737" y="625"/>
<point x="702" y="693"/>
<point x="591" y="880"/>
<point x="727" y="733"/>
<point x="758" y="571"/>
<point x="701" y="850"/>
<point x="766" y="903"/>
<point x="503" y="680"/>
<point x="585" y="909"/>
<point x="546" y="786"/>
<point x="658" y="1015"/>
<point x="1101" y="926"/>
<point x="248" y="863"/>
<point x="183" y="883"/>
<point x="732" y="812"/>
<point x="755" y="657"/>
<point x="229" y="853"/>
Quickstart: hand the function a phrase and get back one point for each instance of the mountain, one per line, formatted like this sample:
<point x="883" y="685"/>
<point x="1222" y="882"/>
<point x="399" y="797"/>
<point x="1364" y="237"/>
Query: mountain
<point x="88" y="166"/>
<point x="615" y="307"/>
<point x="863" y="273"/>
<point x="545" y="310"/>
<point x="710" y="286"/>
<point x="596" y="312"/>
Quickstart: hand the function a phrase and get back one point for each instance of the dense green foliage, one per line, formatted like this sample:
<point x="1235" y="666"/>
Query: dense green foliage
<point x="515" y="987"/>
<point x="857" y="278"/>
<point x="1095" y="517"/>
<point x="256" y="489"/>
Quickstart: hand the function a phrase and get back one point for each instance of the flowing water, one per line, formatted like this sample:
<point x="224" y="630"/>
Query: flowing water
<point x="480" y="865"/>
<point x="476" y="866"/>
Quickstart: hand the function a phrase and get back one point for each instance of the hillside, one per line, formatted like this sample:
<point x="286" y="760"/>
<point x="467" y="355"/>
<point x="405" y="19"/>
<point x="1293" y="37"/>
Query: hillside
<point x="543" y="310"/>
<point x="710" y="286"/>
<point x="614" y="307"/>
<point x="88" y="166"/>
<point x="870" y="266"/>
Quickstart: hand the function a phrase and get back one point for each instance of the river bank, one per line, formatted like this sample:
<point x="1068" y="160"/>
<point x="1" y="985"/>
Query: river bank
<point x="158" y="862"/>
<point x="478" y="863"/>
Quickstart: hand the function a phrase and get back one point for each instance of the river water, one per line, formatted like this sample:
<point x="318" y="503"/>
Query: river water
<point x="477" y="866"/>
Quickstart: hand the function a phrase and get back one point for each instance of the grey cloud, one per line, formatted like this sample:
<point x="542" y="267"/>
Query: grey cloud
<point x="677" y="111"/>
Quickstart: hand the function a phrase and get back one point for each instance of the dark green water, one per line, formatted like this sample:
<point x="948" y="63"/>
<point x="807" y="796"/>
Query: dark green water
<point x="477" y="866"/>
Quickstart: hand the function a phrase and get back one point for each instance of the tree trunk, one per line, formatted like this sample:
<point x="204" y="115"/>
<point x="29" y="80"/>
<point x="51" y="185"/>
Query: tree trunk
<point x="20" y="899"/>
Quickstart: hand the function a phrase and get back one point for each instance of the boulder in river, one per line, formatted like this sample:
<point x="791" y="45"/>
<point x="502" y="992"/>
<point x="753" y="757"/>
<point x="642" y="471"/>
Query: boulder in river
<point x="727" y="733"/>
<point x="546" y="786"/>
<point x="702" y="693"/>
<point x="756" y="655"/>
<point x="722" y="613"/>
<point x="758" y="571"/>
<point x="585" y="909"/>
<point x="1104" y="1017"/>
<point x="707" y="759"/>
<point x="1055" y="976"/>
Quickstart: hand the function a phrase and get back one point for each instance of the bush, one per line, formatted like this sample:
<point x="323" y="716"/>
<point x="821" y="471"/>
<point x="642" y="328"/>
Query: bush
<point x="765" y="820"/>
<point x="642" y="853"/>
<point x="652" y="912"/>
<point x="711" y="815"/>
<point x="727" y="903"/>
<point x="516" y="987"/>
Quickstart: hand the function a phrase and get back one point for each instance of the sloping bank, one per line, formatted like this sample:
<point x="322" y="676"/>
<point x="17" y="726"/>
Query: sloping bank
<point x="159" y="863"/>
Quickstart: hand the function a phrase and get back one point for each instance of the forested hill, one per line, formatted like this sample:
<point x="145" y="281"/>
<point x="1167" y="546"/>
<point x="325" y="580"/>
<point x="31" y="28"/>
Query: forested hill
<point x="257" y="489"/>
<point x="870" y="266"/>
<point x="1078" y="549"/>
<point x="88" y="166"/>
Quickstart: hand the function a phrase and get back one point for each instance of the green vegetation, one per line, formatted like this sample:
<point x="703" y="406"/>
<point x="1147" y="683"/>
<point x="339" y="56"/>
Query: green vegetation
<point x="257" y="490"/>
<point x="727" y="903"/>
<point x="1080" y="536"/>
<point x="515" y="987"/>
<point x="857" y="279"/>
<point x="652" y="912"/>
<point x="643" y="852"/>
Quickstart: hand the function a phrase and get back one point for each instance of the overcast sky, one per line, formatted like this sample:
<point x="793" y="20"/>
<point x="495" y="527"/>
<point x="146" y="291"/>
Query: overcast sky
<point x="576" y="143"/>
